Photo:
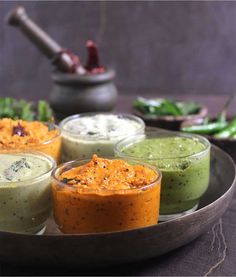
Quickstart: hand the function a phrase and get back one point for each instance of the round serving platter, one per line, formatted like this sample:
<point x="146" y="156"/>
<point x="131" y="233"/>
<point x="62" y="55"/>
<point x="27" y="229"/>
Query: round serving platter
<point x="105" y="249"/>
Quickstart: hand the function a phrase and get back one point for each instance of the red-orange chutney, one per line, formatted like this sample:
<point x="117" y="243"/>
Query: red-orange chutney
<point x="105" y="195"/>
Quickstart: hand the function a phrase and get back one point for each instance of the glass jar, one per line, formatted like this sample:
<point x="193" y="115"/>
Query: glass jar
<point x="25" y="204"/>
<point x="184" y="161"/>
<point x="100" y="139"/>
<point x="91" y="211"/>
<point x="51" y="147"/>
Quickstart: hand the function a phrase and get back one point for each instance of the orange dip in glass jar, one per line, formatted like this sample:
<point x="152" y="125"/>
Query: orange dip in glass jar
<point x="23" y="135"/>
<point x="104" y="195"/>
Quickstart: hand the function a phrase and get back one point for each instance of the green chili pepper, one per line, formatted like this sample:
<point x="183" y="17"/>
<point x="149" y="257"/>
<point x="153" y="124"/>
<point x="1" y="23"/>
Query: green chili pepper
<point x="221" y="117"/>
<point x="206" y="129"/>
<point x="233" y="135"/>
<point x="228" y="130"/>
<point x="206" y="120"/>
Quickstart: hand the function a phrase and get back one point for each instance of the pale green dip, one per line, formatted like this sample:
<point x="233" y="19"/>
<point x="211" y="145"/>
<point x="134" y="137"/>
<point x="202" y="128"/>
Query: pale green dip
<point x="25" y="194"/>
<point x="185" y="166"/>
<point x="19" y="167"/>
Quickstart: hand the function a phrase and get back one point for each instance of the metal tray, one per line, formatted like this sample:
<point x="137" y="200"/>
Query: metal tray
<point x="105" y="249"/>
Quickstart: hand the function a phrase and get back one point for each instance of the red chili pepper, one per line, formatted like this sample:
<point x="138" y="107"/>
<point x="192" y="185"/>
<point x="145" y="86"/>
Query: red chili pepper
<point x="93" y="65"/>
<point x="19" y="130"/>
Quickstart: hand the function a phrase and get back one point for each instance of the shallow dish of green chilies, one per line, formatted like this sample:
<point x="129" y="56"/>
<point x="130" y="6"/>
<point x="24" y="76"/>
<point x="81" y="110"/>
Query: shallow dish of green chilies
<point x="171" y="121"/>
<point x="228" y="144"/>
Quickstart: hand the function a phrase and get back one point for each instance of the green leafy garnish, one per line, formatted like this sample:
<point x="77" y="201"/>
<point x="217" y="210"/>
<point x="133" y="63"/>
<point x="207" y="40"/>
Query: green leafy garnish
<point x="188" y="107"/>
<point x="160" y="107"/>
<point x="44" y="111"/>
<point x="25" y="110"/>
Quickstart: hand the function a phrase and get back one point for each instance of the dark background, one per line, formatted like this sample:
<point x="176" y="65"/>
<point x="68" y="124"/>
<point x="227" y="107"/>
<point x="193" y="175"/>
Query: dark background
<point x="175" y="48"/>
<point x="166" y="47"/>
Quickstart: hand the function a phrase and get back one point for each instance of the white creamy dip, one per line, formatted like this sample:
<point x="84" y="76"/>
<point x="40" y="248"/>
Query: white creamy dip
<point x="85" y="135"/>
<point x="102" y="126"/>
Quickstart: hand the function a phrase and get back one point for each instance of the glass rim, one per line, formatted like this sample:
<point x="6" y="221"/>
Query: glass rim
<point x="100" y="137"/>
<point x="155" y="134"/>
<point x="55" y="126"/>
<point x="33" y="179"/>
<point x="157" y="180"/>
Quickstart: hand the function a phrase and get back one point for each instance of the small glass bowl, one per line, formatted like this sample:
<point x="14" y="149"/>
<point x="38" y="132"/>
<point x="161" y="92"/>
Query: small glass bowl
<point x="51" y="147"/>
<point x="77" y="211"/>
<point x="76" y="146"/>
<point x="185" y="178"/>
<point x="26" y="205"/>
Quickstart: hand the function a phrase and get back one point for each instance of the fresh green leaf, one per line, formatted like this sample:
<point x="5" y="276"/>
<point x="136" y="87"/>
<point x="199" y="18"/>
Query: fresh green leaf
<point x="21" y="109"/>
<point x="188" y="107"/>
<point x="172" y="108"/>
<point x="221" y="117"/>
<point x="44" y="111"/>
<point x="27" y="112"/>
<point x="160" y="106"/>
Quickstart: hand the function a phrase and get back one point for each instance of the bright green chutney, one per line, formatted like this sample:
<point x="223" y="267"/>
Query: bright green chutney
<point x="185" y="166"/>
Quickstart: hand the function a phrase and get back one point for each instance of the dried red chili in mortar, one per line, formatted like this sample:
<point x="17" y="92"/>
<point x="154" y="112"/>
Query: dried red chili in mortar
<point x="93" y="65"/>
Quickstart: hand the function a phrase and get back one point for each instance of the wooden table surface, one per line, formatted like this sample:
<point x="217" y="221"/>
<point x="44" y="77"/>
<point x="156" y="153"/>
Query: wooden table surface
<point x="213" y="253"/>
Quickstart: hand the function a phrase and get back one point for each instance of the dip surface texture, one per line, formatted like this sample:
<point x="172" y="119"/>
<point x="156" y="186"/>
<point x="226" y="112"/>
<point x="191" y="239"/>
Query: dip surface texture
<point x="169" y="147"/>
<point x="102" y="126"/>
<point x="185" y="166"/>
<point x="104" y="175"/>
<point x="35" y="135"/>
<point x="31" y="133"/>
<point x="85" y="135"/>
<point x="25" y="196"/>
<point x="106" y="195"/>
<point x="19" y="167"/>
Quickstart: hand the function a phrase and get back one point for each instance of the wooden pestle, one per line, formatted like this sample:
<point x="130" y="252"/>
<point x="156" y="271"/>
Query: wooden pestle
<point x="65" y="61"/>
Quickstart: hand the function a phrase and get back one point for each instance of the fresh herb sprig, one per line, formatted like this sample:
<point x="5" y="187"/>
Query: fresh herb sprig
<point x="162" y="107"/>
<point x="25" y="110"/>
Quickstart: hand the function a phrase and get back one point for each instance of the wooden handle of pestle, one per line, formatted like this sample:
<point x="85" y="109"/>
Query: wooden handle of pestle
<point x="19" y="18"/>
<point x="64" y="61"/>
